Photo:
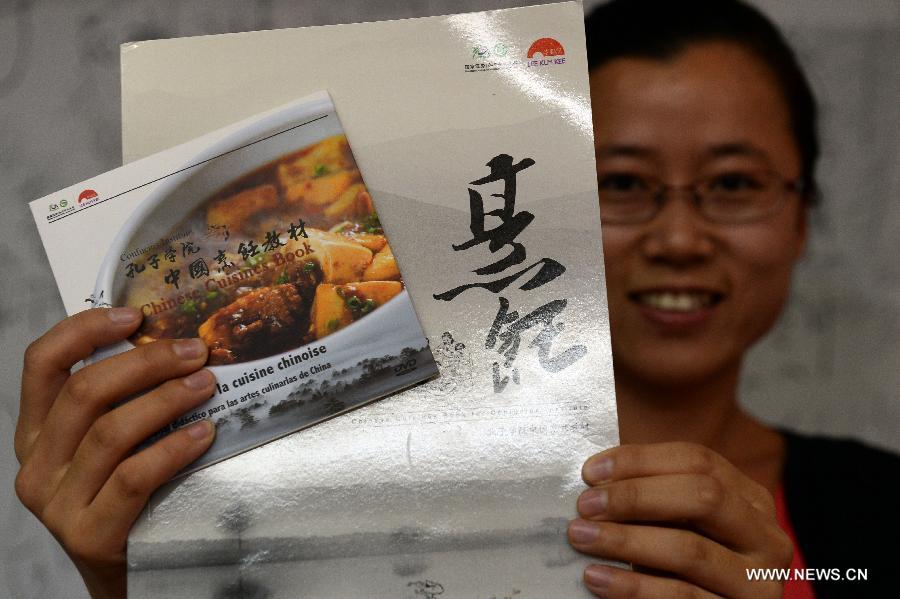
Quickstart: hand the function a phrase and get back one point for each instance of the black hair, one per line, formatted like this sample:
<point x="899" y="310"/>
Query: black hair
<point x="661" y="29"/>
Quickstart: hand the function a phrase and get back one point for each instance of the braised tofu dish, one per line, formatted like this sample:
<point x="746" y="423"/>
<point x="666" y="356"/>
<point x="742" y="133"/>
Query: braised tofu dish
<point x="289" y="253"/>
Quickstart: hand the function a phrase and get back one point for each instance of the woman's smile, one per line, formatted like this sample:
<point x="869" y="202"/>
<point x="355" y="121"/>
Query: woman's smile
<point x="677" y="309"/>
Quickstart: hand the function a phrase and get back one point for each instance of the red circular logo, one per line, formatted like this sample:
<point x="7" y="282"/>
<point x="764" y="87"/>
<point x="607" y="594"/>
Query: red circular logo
<point x="547" y="47"/>
<point x="87" y="194"/>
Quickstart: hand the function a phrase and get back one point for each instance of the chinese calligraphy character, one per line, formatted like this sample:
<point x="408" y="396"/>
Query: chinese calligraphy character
<point x="170" y="254"/>
<point x="248" y="250"/>
<point x="188" y="247"/>
<point x="132" y="268"/>
<point x="217" y="232"/>
<point x="172" y="277"/>
<point x="273" y="241"/>
<point x="511" y="338"/>
<point x="223" y="261"/>
<point x="198" y="268"/>
<point x="503" y="235"/>
<point x="154" y="261"/>
<point x="502" y="169"/>
<point x="294" y="231"/>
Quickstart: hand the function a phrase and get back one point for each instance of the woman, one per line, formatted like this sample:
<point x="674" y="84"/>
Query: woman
<point x="706" y="148"/>
<point x="694" y="115"/>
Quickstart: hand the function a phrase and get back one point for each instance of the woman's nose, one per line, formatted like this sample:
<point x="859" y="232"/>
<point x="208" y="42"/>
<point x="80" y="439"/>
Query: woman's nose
<point x="679" y="235"/>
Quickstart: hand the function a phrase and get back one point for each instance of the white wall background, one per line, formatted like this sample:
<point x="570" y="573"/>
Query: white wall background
<point x="832" y="365"/>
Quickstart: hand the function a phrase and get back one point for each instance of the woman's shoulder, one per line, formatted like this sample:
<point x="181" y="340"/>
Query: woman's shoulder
<point x="831" y="472"/>
<point x="813" y="456"/>
<point x="842" y="497"/>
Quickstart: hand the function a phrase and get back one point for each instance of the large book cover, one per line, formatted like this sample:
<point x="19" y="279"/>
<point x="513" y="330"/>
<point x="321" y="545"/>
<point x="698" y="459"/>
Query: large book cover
<point x="474" y="135"/>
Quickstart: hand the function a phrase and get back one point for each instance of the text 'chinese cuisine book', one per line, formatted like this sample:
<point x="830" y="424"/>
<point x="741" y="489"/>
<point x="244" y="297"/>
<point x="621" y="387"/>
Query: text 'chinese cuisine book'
<point x="474" y="135"/>
<point x="261" y="239"/>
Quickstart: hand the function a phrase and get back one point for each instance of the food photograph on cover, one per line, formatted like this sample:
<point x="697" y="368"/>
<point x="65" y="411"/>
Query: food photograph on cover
<point x="255" y="294"/>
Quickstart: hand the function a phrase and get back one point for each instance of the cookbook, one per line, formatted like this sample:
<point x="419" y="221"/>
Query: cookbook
<point x="474" y="135"/>
<point x="261" y="239"/>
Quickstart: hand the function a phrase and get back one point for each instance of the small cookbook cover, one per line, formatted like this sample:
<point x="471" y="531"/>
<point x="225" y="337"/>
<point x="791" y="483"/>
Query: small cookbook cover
<point x="261" y="239"/>
<point x="474" y="134"/>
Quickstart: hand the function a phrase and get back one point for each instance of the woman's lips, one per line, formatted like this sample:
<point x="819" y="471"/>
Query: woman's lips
<point x="677" y="309"/>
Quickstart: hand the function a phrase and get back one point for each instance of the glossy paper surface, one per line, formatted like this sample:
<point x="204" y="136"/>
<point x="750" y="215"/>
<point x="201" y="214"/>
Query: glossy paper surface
<point x="461" y="487"/>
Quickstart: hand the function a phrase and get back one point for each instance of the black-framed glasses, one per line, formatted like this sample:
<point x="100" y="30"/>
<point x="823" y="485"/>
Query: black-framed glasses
<point x="732" y="197"/>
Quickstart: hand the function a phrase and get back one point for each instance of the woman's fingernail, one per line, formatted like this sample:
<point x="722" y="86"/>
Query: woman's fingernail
<point x="598" y="471"/>
<point x="188" y="349"/>
<point x="200" y="430"/>
<point x="199" y="380"/>
<point x="597" y="577"/>
<point x="593" y="502"/>
<point x="123" y="315"/>
<point x="582" y="532"/>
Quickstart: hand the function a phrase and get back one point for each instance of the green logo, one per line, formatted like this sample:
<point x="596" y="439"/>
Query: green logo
<point x="498" y="50"/>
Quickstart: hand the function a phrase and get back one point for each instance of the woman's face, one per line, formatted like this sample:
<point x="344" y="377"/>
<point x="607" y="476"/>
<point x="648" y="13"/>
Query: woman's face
<point x="687" y="297"/>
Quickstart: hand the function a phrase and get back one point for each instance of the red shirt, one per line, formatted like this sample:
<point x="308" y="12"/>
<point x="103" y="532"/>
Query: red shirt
<point x="793" y="589"/>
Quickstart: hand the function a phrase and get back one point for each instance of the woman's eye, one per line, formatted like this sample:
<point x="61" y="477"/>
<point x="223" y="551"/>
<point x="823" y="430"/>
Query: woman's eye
<point x="623" y="182"/>
<point x="735" y="182"/>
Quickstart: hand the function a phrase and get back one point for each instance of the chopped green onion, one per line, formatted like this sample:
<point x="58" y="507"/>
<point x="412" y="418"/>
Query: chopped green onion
<point x="255" y="260"/>
<point x="309" y="267"/>
<point x="282" y="278"/>
<point x="332" y="325"/>
<point x="188" y="307"/>
<point x="372" y="223"/>
<point x="368" y="306"/>
<point x="320" y="170"/>
<point x="211" y="295"/>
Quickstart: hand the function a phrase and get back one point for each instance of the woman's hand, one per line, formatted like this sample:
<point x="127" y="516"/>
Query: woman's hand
<point x="689" y="521"/>
<point x="74" y="443"/>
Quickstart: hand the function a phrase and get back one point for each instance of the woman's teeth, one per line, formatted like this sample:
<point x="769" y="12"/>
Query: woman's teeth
<point x="676" y="302"/>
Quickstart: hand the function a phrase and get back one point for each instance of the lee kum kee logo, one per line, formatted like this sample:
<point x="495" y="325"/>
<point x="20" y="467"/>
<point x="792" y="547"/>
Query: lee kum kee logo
<point x="546" y="51"/>
<point x="543" y="52"/>
<point x="87" y="197"/>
